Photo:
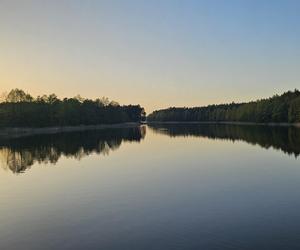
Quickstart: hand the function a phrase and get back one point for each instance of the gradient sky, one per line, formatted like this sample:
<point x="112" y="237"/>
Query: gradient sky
<point x="157" y="53"/>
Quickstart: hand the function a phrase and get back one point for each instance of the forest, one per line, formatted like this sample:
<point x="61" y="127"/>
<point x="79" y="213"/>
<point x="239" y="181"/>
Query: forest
<point x="283" y="108"/>
<point x="20" y="109"/>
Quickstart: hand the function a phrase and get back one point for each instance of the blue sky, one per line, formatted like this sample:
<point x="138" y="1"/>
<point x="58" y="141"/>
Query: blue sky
<point x="156" y="53"/>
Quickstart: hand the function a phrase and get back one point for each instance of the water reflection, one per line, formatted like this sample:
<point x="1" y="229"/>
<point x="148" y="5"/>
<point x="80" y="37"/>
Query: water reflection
<point x="18" y="154"/>
<point x="286" y="139"/>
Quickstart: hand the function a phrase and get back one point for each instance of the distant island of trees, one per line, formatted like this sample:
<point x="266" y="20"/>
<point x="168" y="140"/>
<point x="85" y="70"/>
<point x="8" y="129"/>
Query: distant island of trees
<point x="20" y="109"/>
<point x="277" y="109"/>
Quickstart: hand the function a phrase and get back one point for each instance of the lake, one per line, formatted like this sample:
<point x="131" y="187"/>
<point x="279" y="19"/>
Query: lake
<point x="161" y="186"/>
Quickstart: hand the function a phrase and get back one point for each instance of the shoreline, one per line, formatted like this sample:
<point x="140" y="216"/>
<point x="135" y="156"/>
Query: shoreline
<point x="273" y="124"/>
<point x="30" y="131"/>
<point x="20" y="132"/>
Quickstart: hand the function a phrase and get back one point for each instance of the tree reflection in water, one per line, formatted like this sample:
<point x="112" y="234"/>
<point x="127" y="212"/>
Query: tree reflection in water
<point x="284" y="138"/>
<point x="18" y="154"/>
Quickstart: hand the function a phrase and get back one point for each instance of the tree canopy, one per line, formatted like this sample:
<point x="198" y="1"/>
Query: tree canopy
<point x="20" y="109"/>
<point x="277" y="109"/>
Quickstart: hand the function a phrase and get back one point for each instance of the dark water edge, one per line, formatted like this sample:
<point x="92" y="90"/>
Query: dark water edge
<point x="283" y="124"/>
<point x="20" y="132"/>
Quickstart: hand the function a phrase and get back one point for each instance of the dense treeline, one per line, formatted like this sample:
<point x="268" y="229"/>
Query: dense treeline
<point x="19" y="109"/>
<point x="277" y="109"/>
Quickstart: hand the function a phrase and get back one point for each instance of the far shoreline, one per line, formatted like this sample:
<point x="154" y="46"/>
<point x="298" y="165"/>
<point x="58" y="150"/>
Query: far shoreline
<point x="15" y="132"/>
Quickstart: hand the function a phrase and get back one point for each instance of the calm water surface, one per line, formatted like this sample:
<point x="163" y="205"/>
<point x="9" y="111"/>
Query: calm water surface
<point x="156" y="187"/>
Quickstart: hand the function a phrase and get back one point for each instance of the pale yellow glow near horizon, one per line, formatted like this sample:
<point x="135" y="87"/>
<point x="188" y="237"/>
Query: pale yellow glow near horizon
<point x="150" y="99"/>
<point x="153" y="54"/>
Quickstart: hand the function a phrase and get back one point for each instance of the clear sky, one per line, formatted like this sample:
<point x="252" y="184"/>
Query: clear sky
<point x="157" y="53"/>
